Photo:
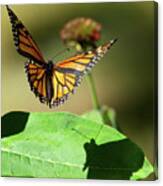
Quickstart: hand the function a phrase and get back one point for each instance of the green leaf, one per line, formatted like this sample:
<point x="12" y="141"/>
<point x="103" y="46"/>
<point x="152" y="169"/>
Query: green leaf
<point x="93" y="115"/>
<point x="104" y="115"/>
<point x="143" y="171"/>
<point x="63" y="145"/>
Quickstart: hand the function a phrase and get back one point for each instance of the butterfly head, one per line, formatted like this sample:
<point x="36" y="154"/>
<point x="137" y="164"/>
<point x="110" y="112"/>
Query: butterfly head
<point x="49" y="67"/>
<point x="50" y="62"/>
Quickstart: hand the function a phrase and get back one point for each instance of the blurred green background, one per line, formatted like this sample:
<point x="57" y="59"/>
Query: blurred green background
<point x="124" y="78"/>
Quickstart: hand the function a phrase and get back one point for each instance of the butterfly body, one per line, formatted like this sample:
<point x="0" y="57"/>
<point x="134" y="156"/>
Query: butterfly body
<point x="52" y="82"/>
<point x="49" y="87"/>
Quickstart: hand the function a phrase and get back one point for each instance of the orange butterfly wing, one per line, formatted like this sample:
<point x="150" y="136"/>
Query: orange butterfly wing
<point x="37" y="79"/>
<point x="67" y="74"/>
<point x="24" y="43"/>
<point x="84" y="62"/>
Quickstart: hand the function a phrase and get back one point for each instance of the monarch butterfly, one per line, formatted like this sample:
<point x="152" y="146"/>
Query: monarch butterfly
<point x="52" y="83"/>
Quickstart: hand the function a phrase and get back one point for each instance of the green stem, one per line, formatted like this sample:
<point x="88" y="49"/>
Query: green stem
<point x="91" y="83"/>
<point x="108" y="115"/>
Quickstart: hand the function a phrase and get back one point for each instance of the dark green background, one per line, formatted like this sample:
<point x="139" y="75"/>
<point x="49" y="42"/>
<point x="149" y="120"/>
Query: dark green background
<point x="124" y="77"/>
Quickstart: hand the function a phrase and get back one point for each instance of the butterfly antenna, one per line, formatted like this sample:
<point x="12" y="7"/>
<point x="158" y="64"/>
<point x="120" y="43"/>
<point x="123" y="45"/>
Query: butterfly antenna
<point x="61" y="52"/>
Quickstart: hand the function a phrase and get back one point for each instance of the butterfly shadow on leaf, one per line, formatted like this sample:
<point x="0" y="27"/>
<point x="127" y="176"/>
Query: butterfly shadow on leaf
<point x="13" y="123"/>
<point x="113" y="160"/>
